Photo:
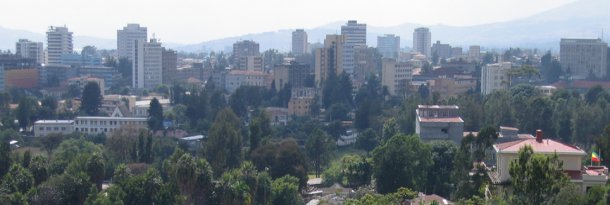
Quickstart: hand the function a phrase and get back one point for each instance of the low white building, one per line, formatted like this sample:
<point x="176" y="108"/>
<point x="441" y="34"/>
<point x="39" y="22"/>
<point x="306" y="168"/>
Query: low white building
<point x="141" y="107"/>
<point x="45" y="127"/>
<point x="439" y="122"/>
<point x="98" y="125"/>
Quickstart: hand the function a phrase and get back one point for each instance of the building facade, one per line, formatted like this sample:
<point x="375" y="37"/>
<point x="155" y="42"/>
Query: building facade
<point x="28" y="49"/>
<point x="43" y="128"/>
<point x="2" y="77"/>
<point x="422" y="41"/>
<point x="388" y="46"/>
<point x="99" y="125"/>
<point x="237" y="78"/>
<point x="127" y="38"/>
<point x="147" y="64"/>
<point x="585" y="58"/>
<point x="474" y="53"/>
<point x="299" y="42"/>
<point x="294" y="73"/>
<point x="170" y="65"/>
<point x="355" y="37"/>
<point x="241" y="51"/>
<point x="439" y="122"/>
<point x="395" y="76"/>
<point x="330" y="58"/>
<point x="442" y="50"/>
<point x="495" y="77"/>
<point x="59" y="41"/>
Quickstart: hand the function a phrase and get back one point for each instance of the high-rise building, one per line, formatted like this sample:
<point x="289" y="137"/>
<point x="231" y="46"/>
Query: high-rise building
<point x="28" y="49"/>
<point x="299" y="42"/>
<point x="422" y="41"/>
<point x="395" y="76"/>
<point x="329" y="58"/>
<point x="584" y="57"/>
<point x="495" y="77"/>
<point x="474" y="53"/>
<point x="456" y="52"/>
<point x="355" y="37"/>
<point x="442" y="50"/>
<point x="59" y="41"/>
<point x="241" y="51"/>
<point x="388" y="45"/>
<point x="2" y="79"/>
<point x="147" y="64"/>
<point x="294" y="73"/>
<point x="170" y="65"/>
<point x="127" y="37"/>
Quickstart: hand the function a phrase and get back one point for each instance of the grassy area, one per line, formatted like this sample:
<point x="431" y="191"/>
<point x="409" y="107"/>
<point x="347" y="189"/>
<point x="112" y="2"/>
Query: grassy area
<point x="33" y="150"/>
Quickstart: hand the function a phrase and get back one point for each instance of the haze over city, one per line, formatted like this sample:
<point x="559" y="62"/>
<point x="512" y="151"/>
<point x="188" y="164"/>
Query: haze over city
<point x="282" y="102"/>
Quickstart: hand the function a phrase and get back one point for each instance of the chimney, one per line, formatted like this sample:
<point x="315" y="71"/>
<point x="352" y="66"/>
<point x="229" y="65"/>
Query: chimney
<point x="539" y="136"/>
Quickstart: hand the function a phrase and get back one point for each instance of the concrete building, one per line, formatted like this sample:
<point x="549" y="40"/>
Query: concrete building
<point x="75" y="59"/>
<point x="59" y="41"/>
<point x="53" y="75"/>
<point x="294" y="73"/>
<point x="388" y="46"/>
<point x="99" y="125"/>
<point x="584" y="177"/>
<point x="299" y="42"/>
<point x="82" y="81"/>
<point x="584" y="58"/>
<point x="457" y="52"/>
<point x="368" y="64"/>
<point x="254" y="62"/>
<point x="237" y="78"/>
<point x="108" y="74"/>
<point x="141" y="107"/>
<point x="395" y="76"/>
<point x="439" y="122"/>
<point x="241" y="51"/>
<point x="277" y="115"/>
<point x="422" y="41"/>
<point x="127" y="38"/>
<point x="2" y="77"/>
<point x="301" y="101"/>
<point x="43" y="128"/>
<point x="11" y="61"/>
<point x="28" y="49"/>
<point x="495" y="77"/>
<point x="147" y="65"/>
<point x="355" y="37"/>
<point x="169" y="65"/>
<point x="442" y="50"/>
<point x="454" y="86"/>
<point x="330" y="58"/>
<point x="474" y="53"/>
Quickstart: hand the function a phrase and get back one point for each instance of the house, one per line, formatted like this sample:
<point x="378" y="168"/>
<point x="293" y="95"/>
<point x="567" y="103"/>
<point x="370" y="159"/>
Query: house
<point x="423" y="199"/>
<point x="570" y="155"/>
<point x="45" y="127"/>
<point x="277" y="115"/>
<point x="439" y="122"/>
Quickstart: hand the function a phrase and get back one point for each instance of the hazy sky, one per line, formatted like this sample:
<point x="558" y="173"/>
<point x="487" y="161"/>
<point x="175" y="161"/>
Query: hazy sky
<point x="191" y="21"/>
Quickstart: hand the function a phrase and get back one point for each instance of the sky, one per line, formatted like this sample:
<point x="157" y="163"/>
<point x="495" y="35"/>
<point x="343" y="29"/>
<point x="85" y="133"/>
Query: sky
<point x="193" y="21"/>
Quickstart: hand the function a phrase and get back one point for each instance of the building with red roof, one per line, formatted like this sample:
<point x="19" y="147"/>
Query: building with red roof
<point x="570" y="155"/>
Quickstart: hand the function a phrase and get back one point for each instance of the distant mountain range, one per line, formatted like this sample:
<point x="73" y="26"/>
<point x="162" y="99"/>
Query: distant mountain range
<point x="580" y="19"/>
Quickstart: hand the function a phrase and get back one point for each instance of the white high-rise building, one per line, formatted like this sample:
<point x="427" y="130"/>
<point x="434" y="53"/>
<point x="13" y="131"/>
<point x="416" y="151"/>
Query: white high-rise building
<point x="127" y="37"/>
<point x="147" y="64"/>
<point x="355" y="36"/>
<point x="388" y="45"/>
<point x="59" y="41"/>
<point x="28" y="49"/>
<point x="584" y="57"/>
<point x="299" y="42"/>
<point x="495" y="77"/>
<point x="422" y="41"/>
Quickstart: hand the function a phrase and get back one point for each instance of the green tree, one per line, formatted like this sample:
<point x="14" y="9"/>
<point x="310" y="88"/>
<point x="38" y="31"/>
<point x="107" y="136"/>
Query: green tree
<point x="535" y="177"/>
<point x="18" y="179"/>
<point x="155" y="115"/>
<point x="48" y="108"/>
<point x="223" y="148"/>
<point x="5" y="156"/>
<point x="260" y="128"/>
<point x="95" y="168"/>
<point x="26" y="112"/>
<point x="281" y="158"/>
<point x="357" y="170"/>
<point x="367" y="140"/>
<point x="390" y="129"/>
<point x="92" y="99"/>
<point x="439" y="176"/>
<point x="402" y="161"/>
<point x="39" y="170"/>
<point x="285" y="190"/>
<point x="319" y="148"/>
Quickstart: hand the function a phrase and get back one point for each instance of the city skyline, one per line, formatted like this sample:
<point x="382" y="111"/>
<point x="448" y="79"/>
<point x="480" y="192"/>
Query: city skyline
<point x="202" y="21"/>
